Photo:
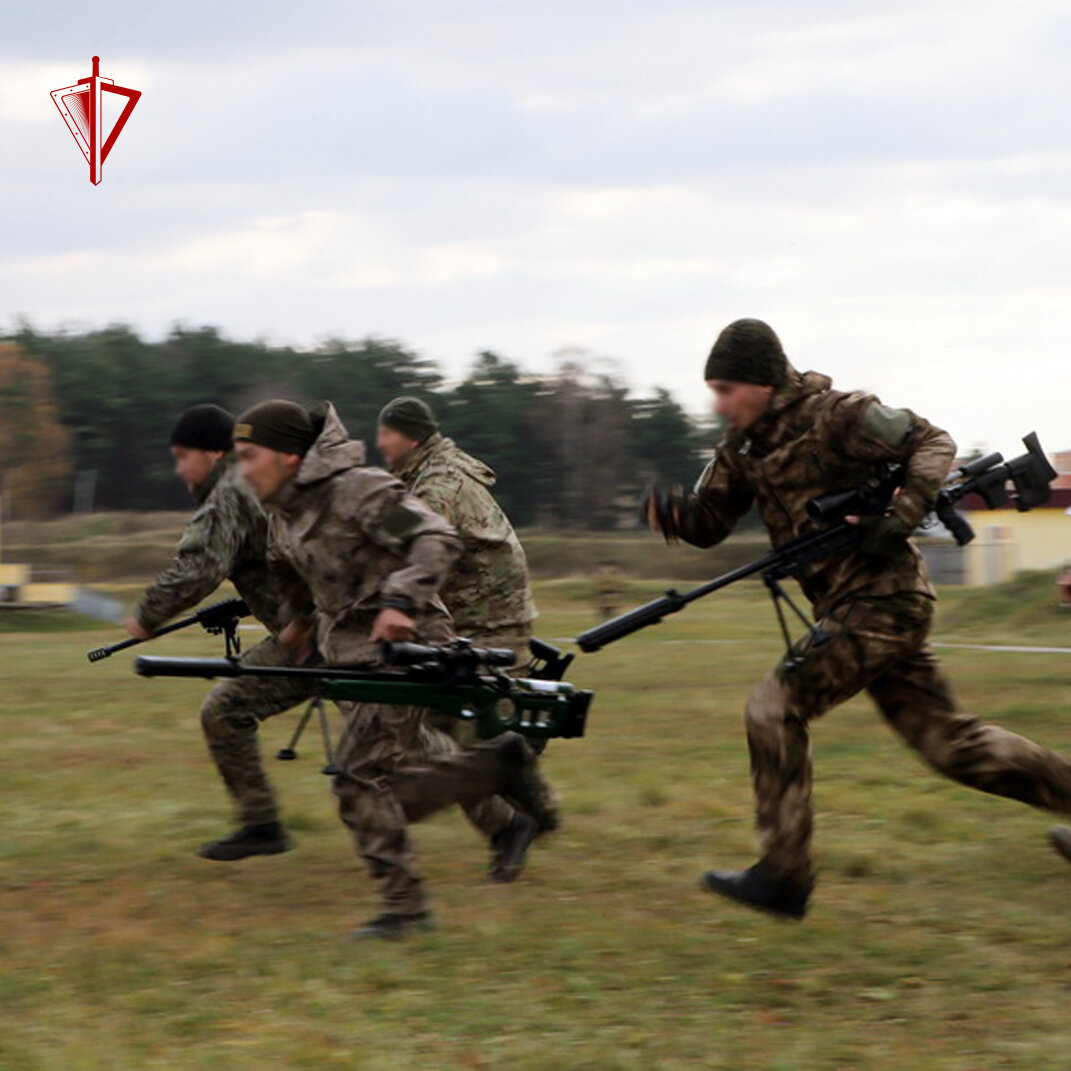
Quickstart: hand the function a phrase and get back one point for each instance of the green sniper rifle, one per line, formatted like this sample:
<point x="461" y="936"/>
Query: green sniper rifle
<point x="458" y="679"/>
<point x="220" y="617"/>
<point x="1030" y="475"/>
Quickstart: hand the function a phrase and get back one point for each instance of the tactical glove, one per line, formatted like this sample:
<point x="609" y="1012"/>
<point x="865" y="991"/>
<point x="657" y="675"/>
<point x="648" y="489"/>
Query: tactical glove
<point x="883" y="535"/>
<point x="665" y="505"/>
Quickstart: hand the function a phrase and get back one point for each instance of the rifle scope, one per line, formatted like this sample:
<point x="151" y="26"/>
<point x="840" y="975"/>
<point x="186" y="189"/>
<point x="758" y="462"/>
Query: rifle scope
<point x="460" y="653"/>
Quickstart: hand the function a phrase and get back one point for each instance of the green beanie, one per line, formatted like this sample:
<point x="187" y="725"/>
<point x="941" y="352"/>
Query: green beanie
<point x="748" y="351"/>
<point x="278" y="425"/>
<point x="411" y="417"/>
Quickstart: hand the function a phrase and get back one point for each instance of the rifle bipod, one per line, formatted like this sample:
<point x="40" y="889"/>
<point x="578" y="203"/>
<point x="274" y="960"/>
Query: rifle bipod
<point x="289" y="753"/>
<point x="794" y="655"/>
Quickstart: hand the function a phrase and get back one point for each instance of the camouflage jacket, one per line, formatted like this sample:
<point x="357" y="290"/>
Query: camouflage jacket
<point x="351" y="541"/>
<point x="226" y="539"/>
<point x="811" y="441"/>
<point x="488" y="590"/>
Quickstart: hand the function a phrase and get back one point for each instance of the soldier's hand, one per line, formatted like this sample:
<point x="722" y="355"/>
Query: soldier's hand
<point x="654" y="519"/>
<point x="882" y="536"/>
<point x="134" y="628"/>
<point x="393" y="626"/>
<point x="297" y="638"/>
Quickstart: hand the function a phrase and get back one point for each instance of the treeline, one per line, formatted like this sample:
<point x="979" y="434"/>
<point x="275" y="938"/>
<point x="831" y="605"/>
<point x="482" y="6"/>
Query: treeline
<point x="571" y="450"/>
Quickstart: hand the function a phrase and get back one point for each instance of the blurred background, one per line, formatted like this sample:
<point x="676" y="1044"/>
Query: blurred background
<point x="538" y="219"/>
<point x="345" y="199"/>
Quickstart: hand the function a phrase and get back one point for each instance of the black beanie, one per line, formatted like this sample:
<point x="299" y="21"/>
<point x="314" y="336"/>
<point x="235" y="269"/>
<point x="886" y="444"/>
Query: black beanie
<point x="748" y="351"/>
<point x="278" y="425"/>
<point x="411" y="417"/>
<point x="204" y="427"/>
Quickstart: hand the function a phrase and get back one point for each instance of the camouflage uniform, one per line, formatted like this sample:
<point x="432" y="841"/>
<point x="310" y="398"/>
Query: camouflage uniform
<point x="488" y="593"/>
<point x="608" y="588"/>
<point x="876" y="608"/>
<point x="226" y="539"/>
<point x="353" y="541"/>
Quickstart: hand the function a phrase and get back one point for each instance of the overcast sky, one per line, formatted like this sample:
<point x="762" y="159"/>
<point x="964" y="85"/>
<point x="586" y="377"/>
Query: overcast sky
<point x="888" y="185"/>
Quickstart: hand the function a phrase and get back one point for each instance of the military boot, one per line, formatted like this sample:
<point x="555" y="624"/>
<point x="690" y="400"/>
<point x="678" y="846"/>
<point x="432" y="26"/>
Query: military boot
<point x="267" y="839"/>
<point x="391" y="927"/>
<point x="509" y="848"/>
<point x="1061" y="840"/>
<point x="761" y="888"/>
<point x="524" y="788"/>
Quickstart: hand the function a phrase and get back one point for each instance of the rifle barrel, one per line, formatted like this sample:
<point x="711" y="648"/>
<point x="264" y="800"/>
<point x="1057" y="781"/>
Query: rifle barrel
<point x="779" y="563"/>
<point x="652" y="613"/>
<point x="157" y="666"/>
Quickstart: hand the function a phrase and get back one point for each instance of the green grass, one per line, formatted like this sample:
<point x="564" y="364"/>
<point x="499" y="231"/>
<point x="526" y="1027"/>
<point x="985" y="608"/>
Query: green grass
<point x="103" y="547"/>
<point x="939" y="937"/>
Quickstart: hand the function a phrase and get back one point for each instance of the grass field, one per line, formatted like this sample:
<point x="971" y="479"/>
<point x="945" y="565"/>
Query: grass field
<point x="940" y="937"/>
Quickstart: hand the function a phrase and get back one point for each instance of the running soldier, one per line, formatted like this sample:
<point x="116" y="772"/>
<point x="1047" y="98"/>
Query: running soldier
<point x="488" y="592"/>
<point x="364" y="561"/>
<point x="226" y="539"/>
<point x="791" y="438"/>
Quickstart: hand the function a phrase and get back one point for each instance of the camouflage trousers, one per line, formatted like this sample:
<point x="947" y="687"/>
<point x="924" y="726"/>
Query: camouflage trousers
<point x="396" y="769"/>
<point x="229" y="717"/>
<point x="879" y="645"/>
<point x="490" y="816"/>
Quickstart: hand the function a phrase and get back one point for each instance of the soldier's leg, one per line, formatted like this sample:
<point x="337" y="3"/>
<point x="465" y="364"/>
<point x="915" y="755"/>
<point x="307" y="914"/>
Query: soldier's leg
<point x="864" y="638"/>
<point x="490" y="815"/>
<point x="504" y="767"/>
<point x="375" y="742"/>
<point x="388" y="780"/>
<point x="229" y="717"/>
<point x="516" y="639"/>
<point x="918" y="703"/>
<point x="510" y="832"/>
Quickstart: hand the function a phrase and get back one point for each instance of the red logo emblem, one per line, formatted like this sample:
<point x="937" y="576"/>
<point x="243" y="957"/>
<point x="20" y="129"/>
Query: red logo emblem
<point x="80" y="106"/>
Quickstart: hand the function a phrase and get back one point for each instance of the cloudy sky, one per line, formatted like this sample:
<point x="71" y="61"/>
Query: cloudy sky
<point x="887" y="184"/>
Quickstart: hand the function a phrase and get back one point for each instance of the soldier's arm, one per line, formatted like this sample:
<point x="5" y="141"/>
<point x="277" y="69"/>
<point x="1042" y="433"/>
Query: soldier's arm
<point x="441" y="491"/>
<point x="204" y="558"/>
<point x="711" y="511"/>
<point x="401" y="522"/>
<point x="871" y="431"/>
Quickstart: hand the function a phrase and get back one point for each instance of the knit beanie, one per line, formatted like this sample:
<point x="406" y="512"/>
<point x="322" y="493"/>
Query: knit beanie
<point x="411" y="417"/>
<point x="204" y="427"/>
<point x="278" y="425"/>
<point x="748" y="351"/>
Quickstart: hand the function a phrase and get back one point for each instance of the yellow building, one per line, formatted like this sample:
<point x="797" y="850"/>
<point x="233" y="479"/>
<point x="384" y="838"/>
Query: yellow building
<point x="17" y="588"/>
<point x="1005" y="543"/>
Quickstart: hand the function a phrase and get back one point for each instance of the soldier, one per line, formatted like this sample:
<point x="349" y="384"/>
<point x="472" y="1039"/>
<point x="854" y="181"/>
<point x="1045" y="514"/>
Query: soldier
<point x="226" y="539"/>
<point x="790" y="438"/>
<point x="488" y="593"/>
<point x="608" y="588"/>
<point x="364" y="560"/>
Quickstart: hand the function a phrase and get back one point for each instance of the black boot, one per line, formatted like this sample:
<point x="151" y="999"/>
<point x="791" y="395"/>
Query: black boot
<point x="761" y="888"/>
<point x="509" y="848"/>
<point x="523" y="787"/>
<point x="267" y="839"/>
<point x="1061" y="840"/>
<point x="391" y="927"/>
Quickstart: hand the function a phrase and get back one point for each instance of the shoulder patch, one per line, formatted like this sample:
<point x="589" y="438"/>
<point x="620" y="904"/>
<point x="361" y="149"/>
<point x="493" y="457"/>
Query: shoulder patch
<point x="400" y="522"/>
<point x="887" y="425"/>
